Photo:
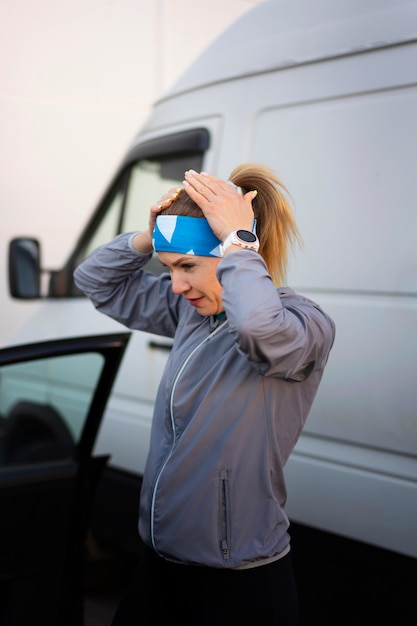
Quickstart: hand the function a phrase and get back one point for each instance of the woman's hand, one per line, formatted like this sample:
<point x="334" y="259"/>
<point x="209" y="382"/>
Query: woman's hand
<point x="167" y="199"/>
<point x="143" y="241"/>
<point x="223" y="207"/>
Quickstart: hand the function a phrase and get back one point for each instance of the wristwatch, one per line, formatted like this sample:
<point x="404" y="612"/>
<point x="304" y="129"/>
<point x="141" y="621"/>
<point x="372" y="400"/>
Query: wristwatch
<point x="242" y="238"/>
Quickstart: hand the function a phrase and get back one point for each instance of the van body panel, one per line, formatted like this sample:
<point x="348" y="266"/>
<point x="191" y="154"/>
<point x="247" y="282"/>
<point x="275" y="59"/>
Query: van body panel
<point x="367" y="396"/>
<point x="284" y="34"/>
<point x="325" y="93"/>
<point x="373" y="505"/>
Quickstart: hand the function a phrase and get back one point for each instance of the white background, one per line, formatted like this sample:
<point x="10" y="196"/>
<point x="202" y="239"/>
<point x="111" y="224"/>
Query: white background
<point x="77" y="80"/>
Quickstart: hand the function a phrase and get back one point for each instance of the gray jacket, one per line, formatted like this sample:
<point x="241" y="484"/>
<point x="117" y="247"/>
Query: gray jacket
<point x="231" y="404"/>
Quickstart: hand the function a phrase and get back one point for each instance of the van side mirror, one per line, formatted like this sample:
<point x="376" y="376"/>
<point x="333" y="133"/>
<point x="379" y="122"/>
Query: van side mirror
<point x="24" y="268"/>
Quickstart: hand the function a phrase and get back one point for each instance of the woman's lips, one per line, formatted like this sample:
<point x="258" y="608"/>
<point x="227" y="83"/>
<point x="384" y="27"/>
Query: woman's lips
<point x="195" y="301"/>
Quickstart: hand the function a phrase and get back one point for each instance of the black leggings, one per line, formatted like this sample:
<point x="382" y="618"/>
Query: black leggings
<point x="202" y="596"/>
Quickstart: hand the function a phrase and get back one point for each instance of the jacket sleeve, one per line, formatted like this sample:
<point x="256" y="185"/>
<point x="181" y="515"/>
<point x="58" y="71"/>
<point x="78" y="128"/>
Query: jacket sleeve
<point x="280" y="332"/>
<point x="113" y="278"/>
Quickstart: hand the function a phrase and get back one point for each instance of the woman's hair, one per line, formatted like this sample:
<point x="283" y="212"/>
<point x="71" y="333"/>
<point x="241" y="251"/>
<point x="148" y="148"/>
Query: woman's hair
<point x="275" y="223"/>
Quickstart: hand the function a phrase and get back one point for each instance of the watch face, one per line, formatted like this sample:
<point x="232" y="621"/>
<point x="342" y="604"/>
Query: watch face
<point x="246" y="235"/>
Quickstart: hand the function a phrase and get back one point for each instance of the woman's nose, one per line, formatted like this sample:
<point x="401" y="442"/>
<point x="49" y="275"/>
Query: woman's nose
<point x="179" y="286"/>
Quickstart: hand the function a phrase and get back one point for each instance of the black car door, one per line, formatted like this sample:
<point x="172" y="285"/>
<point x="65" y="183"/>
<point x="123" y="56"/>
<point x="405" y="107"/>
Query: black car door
<point x="52" y="398"/>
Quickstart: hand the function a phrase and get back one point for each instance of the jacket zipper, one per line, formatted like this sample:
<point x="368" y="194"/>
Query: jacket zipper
<point x="224" y="515"/>
<point x="171" y="413"/>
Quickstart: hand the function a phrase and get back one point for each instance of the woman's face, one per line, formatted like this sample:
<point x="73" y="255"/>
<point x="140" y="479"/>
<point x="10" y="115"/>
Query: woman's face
<point x="194" y="278"/>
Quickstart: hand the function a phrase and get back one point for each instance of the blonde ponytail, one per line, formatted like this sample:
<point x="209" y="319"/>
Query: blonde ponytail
<point x="276" y="226"/>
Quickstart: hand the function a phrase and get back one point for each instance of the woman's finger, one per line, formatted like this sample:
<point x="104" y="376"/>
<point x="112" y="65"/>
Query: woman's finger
<point x="164" y="202"/>
<point x="168" y="198"/>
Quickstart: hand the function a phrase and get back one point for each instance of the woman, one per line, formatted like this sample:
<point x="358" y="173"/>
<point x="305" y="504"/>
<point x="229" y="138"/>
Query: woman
<point x="247" y="359"/>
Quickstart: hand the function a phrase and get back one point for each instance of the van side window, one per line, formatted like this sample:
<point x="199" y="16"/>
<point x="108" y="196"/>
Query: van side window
<point x="148" y="171"/>
<point x="108" y="227"/>
<point x="146" y="185"/>
<point x="138" y="188"/>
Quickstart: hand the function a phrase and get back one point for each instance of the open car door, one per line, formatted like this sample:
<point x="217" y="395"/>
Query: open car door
<point x="52" y="398"/>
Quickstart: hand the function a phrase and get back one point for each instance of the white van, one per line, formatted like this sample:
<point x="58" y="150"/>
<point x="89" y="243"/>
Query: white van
<point x="325" y="93"/>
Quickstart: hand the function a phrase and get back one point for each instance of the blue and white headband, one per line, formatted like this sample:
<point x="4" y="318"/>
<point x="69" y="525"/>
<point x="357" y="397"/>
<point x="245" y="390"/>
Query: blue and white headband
<point x="188" y="235"/>
<point x="185" y="235"/>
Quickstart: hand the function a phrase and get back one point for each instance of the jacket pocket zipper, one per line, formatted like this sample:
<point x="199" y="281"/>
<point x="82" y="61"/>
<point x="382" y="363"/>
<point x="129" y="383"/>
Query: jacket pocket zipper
<point x="224" y="515"/>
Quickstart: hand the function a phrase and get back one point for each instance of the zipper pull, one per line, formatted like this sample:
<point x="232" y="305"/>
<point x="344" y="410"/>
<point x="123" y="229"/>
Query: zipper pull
<point x="225" y="550"/>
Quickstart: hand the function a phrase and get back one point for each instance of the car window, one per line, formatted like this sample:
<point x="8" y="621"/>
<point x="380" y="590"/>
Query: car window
<point x="45" y="404"/>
